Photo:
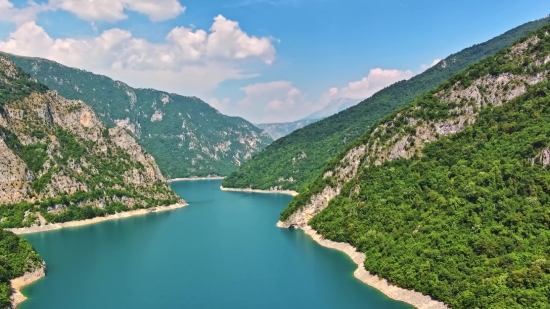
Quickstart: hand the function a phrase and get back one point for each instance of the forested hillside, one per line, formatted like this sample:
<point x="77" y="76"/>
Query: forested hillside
<point x="58" y="162"/>
<point x="450" y="195"/>
<point x="186" y="136"/>
<point x="17" y="257"/>
<point x="295" y="160"/>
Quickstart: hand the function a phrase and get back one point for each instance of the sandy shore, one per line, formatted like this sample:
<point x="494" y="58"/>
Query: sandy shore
<point x="18" y="283"/>
<point x="196" y="178"/>
<point x="411" y="297"/>
<point x="121" y="215"/>
<point x="289" y="192"/>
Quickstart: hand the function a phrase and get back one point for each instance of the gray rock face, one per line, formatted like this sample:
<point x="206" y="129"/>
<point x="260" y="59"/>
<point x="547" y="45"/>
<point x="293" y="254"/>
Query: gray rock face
<point x="77" y="151"/>
<point x="202" y="140"/>
<point x="390" y="141"/>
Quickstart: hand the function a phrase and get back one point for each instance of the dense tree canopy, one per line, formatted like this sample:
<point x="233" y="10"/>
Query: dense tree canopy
<point x="303" y="154"/>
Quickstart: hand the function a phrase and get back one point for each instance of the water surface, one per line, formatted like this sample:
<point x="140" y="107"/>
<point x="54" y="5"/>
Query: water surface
<point x="221" y="251"/>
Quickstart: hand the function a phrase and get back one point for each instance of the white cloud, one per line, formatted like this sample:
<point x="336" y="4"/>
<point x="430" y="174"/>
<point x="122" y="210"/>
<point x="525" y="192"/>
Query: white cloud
<point x="377" y="80"/>
<point x="189" y="61"/>
<point x="9" y="13"/>
<point x="277" y="101"/>
<point x="280" y="101"/>
<point x="113" y="10"/>
<point x="424" y="67"/>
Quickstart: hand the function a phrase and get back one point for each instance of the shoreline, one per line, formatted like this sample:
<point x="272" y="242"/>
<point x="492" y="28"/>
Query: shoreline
<point x="411" y="297"/>
<point x="120" y="215"/>
<point x="18" y="283"/>
<point x="287" y="192"/>
<point x="195" y="178"/>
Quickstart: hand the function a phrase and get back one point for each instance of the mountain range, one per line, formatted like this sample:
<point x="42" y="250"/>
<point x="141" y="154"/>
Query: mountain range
<point x="278" y="130"/>
<point x="186" y="136"/>
<point x="295" y="160"/>
<point x="449" y="195"/>
<point x="59" y="163"/>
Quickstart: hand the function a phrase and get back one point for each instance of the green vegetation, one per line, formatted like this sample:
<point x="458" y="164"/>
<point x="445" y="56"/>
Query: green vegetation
<point x="190" y="133"/>
<point x="468" y="222"/>
<point x="325" y="139"/>
<point x="19" y="88"/>
<point x="33" y="155"/>
<point x="466" y="219"/>
<point x="17" y="256"/>
<point x="76" y="175"/>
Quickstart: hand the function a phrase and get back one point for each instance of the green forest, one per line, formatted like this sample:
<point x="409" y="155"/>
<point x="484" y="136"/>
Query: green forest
<point x="17" y="256"/>
<point x="466" y="220"/>
<point x="324" y="140"/>
<point x="177" y="141"/>
<point x="103" y="173"/>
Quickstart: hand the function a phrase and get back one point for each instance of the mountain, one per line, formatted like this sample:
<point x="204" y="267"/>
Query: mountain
<point x="333" y="107"/>
<point x="56" y="155"/>
<point x="278" y="130"/>
<point x="449" y="195"/>
<point x="186" y="136"/>
<point x="58" y="163"/>
<point x="295" y="160"/>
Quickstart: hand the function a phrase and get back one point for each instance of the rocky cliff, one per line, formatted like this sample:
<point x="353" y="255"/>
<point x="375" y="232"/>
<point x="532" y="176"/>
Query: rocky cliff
<point x="324" y="140"/>
<point x="447" y="196"/>
<point x="59" y="159"/>
<point x="450" y="109"/>
<point x="171" y="127"/>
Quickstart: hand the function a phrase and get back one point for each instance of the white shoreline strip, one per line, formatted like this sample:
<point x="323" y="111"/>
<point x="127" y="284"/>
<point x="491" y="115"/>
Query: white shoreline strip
<point x="410" y="297"/>
<point x="120" y="215"/>
<point x="288" y="192"/>
<point x="20" y="282"/>
<point x="195" y="178"/>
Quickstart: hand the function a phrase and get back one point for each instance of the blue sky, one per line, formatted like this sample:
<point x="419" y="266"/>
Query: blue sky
<point x="284" y="60"/>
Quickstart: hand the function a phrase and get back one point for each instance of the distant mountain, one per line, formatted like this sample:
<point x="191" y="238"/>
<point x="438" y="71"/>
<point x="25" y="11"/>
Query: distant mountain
<point x="278" y="130"/>
<point x="302" y="155"/>
<point x="186" y="136"/>
<point x="333" y="107"/>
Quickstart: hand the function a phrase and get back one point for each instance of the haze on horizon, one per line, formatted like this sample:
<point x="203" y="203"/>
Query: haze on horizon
<point x="266" y="61"/>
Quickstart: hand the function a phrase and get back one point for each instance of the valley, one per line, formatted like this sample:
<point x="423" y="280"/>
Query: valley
<point x="430" y="193"/>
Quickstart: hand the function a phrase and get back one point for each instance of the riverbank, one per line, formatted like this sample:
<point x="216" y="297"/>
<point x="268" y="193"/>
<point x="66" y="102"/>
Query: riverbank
<point x="410" y="297"/>
<point x="196" y="178"/>
<point x="120" y="215"/>
<point x="18" y="283"/>
<point x="288" y="192"/>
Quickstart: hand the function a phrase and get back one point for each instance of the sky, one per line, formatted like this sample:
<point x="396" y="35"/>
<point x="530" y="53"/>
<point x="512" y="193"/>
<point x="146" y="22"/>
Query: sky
<point x="264" y="60"/>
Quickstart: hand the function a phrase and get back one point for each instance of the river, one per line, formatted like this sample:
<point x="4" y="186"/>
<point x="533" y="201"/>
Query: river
<point x="221" y="251"/>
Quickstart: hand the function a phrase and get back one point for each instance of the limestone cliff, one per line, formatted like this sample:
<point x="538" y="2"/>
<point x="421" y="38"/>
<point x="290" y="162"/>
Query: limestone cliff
<point x="453" y="107"/>
<point x="57" y="157"/>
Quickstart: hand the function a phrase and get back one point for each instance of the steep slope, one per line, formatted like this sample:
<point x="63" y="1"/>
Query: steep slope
<point x="278" y="130"/>
<point x="449" y="196"/>
<point x="333" y="107"/>
<point x="18" y="258"/>
<point x="186" y="136"/>
<point x="58" y="161"/>
<point x="302" y="155"/>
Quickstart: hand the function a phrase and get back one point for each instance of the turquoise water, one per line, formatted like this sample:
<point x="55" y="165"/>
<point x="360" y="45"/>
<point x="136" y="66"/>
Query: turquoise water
<point x="222" y="251"/>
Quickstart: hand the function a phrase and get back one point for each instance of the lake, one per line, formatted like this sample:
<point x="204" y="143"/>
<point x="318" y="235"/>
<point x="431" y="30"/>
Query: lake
<point x="221" y="251"/>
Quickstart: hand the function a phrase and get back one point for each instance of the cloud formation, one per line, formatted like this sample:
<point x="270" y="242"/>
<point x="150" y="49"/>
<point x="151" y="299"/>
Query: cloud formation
<point x="424" y="67"/>
<point x="187" y="59"/>
<point x="9" y="13"/>
<point x="376" y="80"/>
<point x="280" y="101"/>
<point x="266" y="102"/>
